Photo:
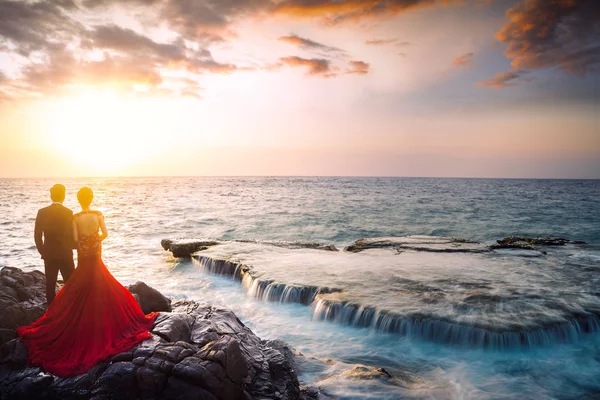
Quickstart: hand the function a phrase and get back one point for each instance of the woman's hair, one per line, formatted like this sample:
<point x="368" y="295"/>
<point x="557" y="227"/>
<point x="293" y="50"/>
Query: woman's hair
<point x="85" y="196"/>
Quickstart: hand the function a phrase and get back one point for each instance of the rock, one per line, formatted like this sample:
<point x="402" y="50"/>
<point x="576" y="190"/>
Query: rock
<point x="22" y="300"/>
<point x="369" y="373"/>
<point x="174" y="327"/>
<point x="7" y="335"/>
<point x="436" y="244"/>
<point x="149" y="298"/>
<point x="196" y="352"/>
<point x="309" y="393"/>
<point x="529" y="243"/>
<point x="185" y="248"/>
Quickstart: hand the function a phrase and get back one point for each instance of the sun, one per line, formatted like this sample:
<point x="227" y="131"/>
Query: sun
<point x="102" y="130"/>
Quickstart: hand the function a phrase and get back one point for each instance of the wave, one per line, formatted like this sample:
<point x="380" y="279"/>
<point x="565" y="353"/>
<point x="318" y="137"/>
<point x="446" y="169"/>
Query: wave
<point x="267" y="290"/>
<point x="417" y="326"/>
<point x="450" y="332"/>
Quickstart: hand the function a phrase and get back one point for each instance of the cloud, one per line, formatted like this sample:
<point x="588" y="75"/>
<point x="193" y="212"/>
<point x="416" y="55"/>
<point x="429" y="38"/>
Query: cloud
<point x="55" y="51"/>
<point x="335" y="11"/>
<point x="128" y="41"/>
<point x="505" y="79"/>
<point x="175" y="54"/>
<point x="193" y="19"/>
<point x="466" y="60"/>
<point x="29" y="26"/>
<point x="358" y="67"/>
<point x="380" y="42"/>
<point x="64" y="42"/>
<point x="62" y="68"/>
<point x="308" y="44"/>
<point x="541" y="34"/>
<point x="316" y="66"/>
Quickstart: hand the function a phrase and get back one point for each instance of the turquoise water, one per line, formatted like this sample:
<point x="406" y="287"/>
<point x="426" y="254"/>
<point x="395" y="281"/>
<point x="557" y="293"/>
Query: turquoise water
<point x="142" y="211"/>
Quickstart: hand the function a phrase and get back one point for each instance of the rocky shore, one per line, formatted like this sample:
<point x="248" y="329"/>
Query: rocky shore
<point x="197" y="352"/>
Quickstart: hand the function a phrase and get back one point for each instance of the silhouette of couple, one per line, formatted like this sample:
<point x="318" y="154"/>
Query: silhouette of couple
<point x="93" y="316"/>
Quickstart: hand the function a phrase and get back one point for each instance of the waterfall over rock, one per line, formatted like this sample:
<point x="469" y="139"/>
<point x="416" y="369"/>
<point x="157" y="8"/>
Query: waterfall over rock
<point x="444" y="290"/>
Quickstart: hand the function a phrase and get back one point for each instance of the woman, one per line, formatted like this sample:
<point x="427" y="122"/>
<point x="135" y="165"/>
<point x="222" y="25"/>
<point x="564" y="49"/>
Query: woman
<point x="93" y="316"/>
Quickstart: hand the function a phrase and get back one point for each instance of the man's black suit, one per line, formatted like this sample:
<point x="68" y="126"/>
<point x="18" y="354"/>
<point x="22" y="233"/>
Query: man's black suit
<point x="54" y="240"/>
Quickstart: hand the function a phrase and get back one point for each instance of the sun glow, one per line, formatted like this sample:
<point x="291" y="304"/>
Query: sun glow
<point x="103" y="131"/>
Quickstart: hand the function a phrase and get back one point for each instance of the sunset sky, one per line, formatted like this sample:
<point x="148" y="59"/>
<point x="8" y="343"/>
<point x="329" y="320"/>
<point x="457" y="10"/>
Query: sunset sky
<point x="471" y="88"/>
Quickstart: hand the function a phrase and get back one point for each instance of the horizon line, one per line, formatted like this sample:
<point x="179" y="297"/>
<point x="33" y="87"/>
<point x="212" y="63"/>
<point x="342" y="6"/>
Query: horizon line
<point x="291" y="176"/>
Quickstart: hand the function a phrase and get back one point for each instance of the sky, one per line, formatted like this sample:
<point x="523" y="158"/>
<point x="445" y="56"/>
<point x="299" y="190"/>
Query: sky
<point x="443" y="88"/>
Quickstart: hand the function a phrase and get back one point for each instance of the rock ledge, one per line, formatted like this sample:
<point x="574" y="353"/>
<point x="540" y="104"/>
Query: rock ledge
<point x="196" y="352"/>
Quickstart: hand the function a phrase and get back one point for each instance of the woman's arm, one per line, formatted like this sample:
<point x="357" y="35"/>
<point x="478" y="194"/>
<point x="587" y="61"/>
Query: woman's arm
<point x="74" y="230"/>
<point x="104" y="233"/>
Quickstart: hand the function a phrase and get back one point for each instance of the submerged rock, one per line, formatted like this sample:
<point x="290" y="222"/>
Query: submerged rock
<point x="437" y="244"/>
<point x="529" y="243"/>
<point x="196" y="352"/>
<point x="184" y="248"/>
<point x="441" y="244"/>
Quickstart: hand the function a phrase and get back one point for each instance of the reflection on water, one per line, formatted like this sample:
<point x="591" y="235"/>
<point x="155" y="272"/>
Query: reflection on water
<point x="142" y="211"/>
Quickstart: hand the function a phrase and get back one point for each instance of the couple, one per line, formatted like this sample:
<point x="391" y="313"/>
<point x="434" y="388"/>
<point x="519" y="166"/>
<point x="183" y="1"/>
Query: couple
<point x="93" y="316"/>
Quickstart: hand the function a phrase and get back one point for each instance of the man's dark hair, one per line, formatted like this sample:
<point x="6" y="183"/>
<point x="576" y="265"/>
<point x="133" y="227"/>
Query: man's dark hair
<point x="58" y="192"/>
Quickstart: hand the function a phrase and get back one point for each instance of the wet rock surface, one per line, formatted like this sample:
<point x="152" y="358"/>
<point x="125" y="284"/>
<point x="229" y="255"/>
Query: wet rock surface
<point x="149" y="298"/>
<point x="184" y="248"/>
<point x="530" y="243"/>
<point x="22" y="300"/>
<point x="440" y="244"/>
<point x="196" y="352"/>
<point x="437" y="244"/>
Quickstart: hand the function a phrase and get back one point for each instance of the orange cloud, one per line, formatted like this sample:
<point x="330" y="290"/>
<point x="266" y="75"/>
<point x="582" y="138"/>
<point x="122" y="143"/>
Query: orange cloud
<point x="544" y="34"/>
<point x="463" y="61"/>
<point x="337" y="11"/>
<point x="309" y="44"/>
<point x="316" y="66"/>
<point x="358" y="67"/>
<point x="380" y="42"/>
<point x="504" y="79"/>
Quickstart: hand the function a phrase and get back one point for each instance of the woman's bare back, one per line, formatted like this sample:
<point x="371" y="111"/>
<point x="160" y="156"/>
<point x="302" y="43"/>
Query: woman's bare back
<point x="88" y="222"/>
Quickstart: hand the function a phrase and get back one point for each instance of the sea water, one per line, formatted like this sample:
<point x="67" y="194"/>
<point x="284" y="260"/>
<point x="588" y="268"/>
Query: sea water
<point x="501" y="324"/>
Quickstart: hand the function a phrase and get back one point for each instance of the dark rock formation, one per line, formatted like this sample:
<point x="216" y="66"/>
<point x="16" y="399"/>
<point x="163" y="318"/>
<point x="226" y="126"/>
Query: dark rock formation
<point x="436" y="244"/>
<point x="529" y="243"/>
<point x="149" y="298"/>
<point x="184" y="248"/>
<point x="22" y="300"/>
<point x="291" y="245"/>
<point x="440" y="244"/>
<point x="196" y="352"/>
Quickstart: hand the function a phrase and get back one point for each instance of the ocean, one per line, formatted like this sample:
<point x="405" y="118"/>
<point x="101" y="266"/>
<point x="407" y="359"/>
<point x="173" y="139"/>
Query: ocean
<point x="402" y="321"/>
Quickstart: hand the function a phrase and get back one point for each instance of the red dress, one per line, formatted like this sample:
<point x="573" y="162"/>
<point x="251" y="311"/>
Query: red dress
<point x="93" y="317"/>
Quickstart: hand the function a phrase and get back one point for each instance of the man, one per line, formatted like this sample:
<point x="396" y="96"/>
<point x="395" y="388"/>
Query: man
<point x="54" y="240"/>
